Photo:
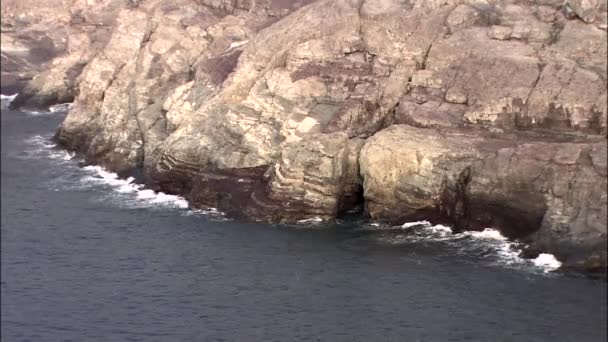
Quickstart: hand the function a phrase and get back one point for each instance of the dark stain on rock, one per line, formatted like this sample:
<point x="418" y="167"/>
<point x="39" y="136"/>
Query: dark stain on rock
<point x="489" y="14"/>
<point x="156" y="68"/>
<point x="218" y="68"/>
<point x="332" y="70"/>
<point x="42" y="51"/>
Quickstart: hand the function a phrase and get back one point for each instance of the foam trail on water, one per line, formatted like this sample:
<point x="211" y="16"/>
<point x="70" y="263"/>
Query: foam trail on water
<point x="416" y="223"/>
<point x="134" y="195"/>
<point x="212" y="213"/>
<point x="142" y="197"/>
<point x="312" y="220"/>
<point x="489" y="243"/>
<point x="62" y="107"/>
<point x="486" y="234"/>
<point x="42" y="147"/>
<point x="6" y="100"/>
<point x="124" y="191"/>
<point x="439" y="230"/>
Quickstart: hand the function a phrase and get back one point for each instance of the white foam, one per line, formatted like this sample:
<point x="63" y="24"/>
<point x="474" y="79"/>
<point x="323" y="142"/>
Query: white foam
<point x="416" y="223"/>
<point x="144" y="197"/>
<point x="547" y="262"/>
<point x="61" y="155"/>
<point x="211" y="213"/>
<point x="7" y="99"/>
<point x="440" y="230"/>
<point x="125" y="192"/>
<point x="489" y="243"/>
<point x="36" y="113"/>
<point x="486" y="234"/>
<point x="40" y="146"/>
<point x="40" y="141"/>
<point x="311" y="220"/>
<point x="62" y="107"/>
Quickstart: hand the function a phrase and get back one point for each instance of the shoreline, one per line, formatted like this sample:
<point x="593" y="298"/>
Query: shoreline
<point x="477" y="116"/>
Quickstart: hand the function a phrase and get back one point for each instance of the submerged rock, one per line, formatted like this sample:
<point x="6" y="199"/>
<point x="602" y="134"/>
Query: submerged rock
<point x="478" y="113"/>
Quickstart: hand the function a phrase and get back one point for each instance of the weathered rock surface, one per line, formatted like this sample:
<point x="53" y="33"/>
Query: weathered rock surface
<point x="477" y="112"/>
<point x="49" y="48"/>
<point x="31" y="35"/>
<point x="551" y="191"/>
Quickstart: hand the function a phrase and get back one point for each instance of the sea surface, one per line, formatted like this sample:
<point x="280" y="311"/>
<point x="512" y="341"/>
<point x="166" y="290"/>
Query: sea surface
<point x="90" y="257"/>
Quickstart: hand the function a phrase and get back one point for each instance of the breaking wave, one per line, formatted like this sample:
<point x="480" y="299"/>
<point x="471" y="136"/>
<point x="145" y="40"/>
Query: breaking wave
<point x="123" y="191"/>
<point x="63" y="107"/>
<point x="42" y="147"/>
<point x="5" y="100"/>
<point x="311" y="221"/>
<point x="489" y="243"/>
<point x="137" y="196"/>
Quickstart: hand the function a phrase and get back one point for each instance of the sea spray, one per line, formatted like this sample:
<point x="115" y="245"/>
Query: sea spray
<point x="489" y="243"/>
<point x="128" y="186"/>
<point x="5" y="100"/>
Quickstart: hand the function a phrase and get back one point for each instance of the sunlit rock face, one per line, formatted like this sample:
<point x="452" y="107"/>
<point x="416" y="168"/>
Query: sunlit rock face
<point x="474" y="112"/>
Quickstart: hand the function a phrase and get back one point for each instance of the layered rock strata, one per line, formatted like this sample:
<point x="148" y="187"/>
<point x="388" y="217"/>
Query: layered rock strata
<point x="475" y="112"/>
<point x="545" y="190"/>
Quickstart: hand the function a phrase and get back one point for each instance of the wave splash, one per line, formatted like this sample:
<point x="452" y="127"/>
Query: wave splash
<point x="54" y="109"/>
<point x="142" y="197"/>
<point x="42" y="147"/>
<point x="133" y="195"/>
<point x="489" y="243"/>
<point x="124" y="191"/>
<point x="6" y="100"/>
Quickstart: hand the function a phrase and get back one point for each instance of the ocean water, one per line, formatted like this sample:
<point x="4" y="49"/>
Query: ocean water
<point x="87" y="256"/>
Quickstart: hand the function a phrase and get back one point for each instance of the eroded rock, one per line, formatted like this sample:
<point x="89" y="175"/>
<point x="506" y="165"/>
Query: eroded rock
<point x="261" y="107"/>
<point x="551" y="192"/>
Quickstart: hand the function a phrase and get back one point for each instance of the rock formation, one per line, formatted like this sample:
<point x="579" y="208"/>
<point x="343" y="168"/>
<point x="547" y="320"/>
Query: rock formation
<point x="480" y="113"/>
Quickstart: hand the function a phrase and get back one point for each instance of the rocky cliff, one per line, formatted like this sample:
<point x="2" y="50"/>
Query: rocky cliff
<point x="480" y="113"/>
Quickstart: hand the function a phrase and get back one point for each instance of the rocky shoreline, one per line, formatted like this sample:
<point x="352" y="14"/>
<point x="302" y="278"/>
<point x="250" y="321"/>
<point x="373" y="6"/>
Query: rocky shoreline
<point x="475" y="113"/>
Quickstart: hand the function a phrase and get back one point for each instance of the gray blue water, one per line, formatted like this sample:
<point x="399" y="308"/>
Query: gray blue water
<point x="86" y="257"/>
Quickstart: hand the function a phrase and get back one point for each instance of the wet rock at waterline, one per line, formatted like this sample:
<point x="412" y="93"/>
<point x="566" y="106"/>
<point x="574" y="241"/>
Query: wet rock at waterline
<point x="549" y="192"/>
<point x="476" y="113"/>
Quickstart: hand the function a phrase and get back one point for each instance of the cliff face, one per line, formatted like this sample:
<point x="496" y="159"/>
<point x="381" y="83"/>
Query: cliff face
<point x="476" y="112"/>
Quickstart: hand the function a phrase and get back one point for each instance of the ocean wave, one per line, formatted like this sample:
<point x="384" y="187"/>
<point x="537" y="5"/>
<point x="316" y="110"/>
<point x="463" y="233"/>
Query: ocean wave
<point x="62" y="107"/>
<point x="209" y="213"/>
<point x="312" y="220"/>
<point x="489" y="243"/>
<point x="5" y="100"/>
<point x="42" y="147"/>
<point x="54" y="109"/>
<point x="123" y="191"/>
<point x="547" y="262"/>
<point x="138" y="197"/>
